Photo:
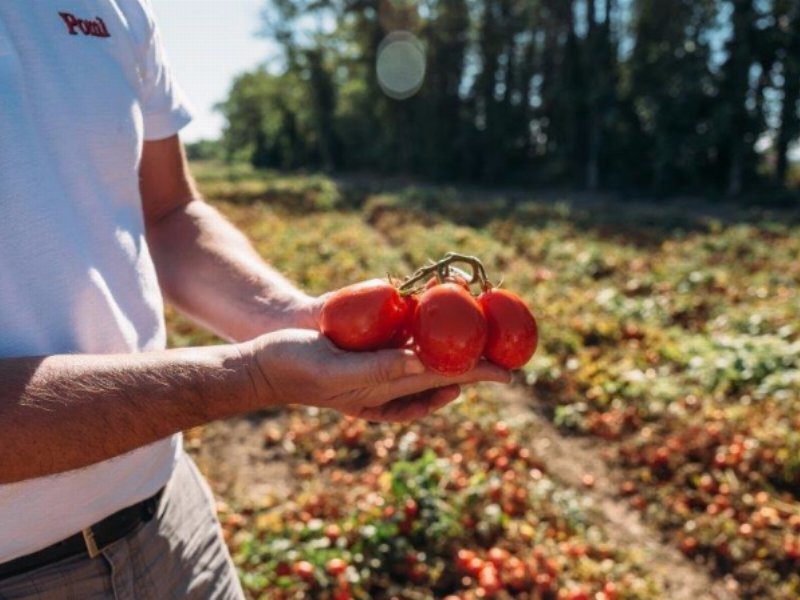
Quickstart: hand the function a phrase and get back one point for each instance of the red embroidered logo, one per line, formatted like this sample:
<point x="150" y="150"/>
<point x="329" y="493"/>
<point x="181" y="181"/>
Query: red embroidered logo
<point x="95" y="28"/>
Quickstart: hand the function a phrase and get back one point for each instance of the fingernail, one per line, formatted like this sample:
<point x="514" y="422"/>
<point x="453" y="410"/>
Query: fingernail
<point x="447" y="399"/>
<point x="413" y="366"/>
<point x="506" y="377"/>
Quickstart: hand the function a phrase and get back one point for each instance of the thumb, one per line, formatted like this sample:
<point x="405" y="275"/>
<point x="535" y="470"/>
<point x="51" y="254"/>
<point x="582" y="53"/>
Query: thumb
<point x="314" y="311"/>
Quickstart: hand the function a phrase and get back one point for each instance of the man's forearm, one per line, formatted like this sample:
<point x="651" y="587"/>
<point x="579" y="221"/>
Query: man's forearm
<point x="64" y="412"/>
<point x="209" y="270"/>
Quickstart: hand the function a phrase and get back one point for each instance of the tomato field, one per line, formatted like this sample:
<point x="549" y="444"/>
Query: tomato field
<point x="651" y="448"/>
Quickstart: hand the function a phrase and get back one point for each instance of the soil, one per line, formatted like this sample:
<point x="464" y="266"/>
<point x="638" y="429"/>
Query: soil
<point x="241" y="467"/>
<point x="571" y="458"/>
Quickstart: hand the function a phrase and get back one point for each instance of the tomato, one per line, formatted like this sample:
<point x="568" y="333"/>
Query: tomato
<point x="304" y="570"/>
<point x="449" y="329"/>
<point x="463" y="559"/>
<point x="513" y="334"/>
<point x="403" y="333"/>
<point x="343" y="590"/>
<point x="489" y="580"/>
<point x="475" y="566"/>
<point x="433" y="281"/>
<point x="363" y="316"/>
<point x="336" y="566"/>
<point x="498" y="556"/>
<point x="411" y="509"/>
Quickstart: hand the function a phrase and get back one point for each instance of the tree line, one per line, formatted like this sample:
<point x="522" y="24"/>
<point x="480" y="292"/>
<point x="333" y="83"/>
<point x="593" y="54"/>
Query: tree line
<point x="660" y="96"/>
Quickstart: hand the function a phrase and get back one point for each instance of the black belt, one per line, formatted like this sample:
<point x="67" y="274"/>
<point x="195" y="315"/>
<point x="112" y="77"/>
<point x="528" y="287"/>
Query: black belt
<point x="89" y="542"/>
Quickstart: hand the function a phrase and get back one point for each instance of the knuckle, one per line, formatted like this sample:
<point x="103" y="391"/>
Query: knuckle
<point x="379" y="370"/>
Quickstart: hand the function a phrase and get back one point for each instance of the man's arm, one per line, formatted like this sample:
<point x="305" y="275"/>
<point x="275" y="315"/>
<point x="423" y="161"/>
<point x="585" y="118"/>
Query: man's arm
<point x="64" y="412"/>
<point x="205" y="266"/>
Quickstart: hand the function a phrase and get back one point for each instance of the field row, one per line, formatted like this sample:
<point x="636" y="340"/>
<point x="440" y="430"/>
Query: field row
<point x="676" y="346"/>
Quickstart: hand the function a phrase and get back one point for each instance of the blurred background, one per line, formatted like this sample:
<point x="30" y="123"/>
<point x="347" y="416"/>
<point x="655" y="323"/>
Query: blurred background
<point x="650" y="96"/>
<point x="629" y="167"/>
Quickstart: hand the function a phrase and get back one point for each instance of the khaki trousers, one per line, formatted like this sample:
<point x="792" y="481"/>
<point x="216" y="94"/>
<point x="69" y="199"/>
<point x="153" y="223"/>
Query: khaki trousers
<point x="180" y="554"/>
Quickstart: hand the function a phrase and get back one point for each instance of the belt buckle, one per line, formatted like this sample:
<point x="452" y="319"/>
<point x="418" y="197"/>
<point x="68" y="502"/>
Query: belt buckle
<point x="91" y="544"/>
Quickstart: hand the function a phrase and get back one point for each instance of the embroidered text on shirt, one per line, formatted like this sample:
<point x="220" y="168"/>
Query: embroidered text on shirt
<point x="95" y="28"/>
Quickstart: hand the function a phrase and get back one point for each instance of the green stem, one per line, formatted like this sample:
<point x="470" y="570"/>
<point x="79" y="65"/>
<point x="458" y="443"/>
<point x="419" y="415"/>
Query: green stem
<point x="441" y="270"/>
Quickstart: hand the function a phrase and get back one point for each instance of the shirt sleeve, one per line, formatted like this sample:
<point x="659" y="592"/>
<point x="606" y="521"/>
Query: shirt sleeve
<point x="164" y="108"/>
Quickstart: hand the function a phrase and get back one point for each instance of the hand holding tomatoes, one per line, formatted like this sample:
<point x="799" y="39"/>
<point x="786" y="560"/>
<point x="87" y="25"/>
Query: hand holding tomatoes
<point x="294" y="366"/>
<point x="451" y="329"/>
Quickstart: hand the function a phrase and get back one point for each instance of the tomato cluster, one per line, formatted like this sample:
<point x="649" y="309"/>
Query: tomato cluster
<point x="448" y="327"/>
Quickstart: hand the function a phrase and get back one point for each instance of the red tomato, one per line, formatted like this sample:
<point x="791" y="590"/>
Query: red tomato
<point x="411" y="509"/>
<point x="304" y="570"/>
<point x="463" y="558"/>
<point x="363" y="316"/>
<point x="475" y="566"/>
<point x="342" y="589"/>
<point x="336" y="566"/>
<point x="498" y="556"/>
<point x="343" y="592"/>
<point x="489" y="580"/>
<point x="513" y="334"/>
<point x="449" y="329"/>
<point x="403" y="333"/>
<point x="433" y="281"/>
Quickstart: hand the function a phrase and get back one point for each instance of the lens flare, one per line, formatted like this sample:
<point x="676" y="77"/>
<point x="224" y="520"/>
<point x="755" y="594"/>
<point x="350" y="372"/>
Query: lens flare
<point x="400" y="65"/>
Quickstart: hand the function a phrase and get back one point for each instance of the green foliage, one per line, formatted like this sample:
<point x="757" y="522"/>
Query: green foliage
<point x="662" y="96"/>
<point x="270" y="121"/>
<point x="205" y="150"/>
<point x="400" y="524"/>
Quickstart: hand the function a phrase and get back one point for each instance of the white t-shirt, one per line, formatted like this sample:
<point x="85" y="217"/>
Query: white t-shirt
<point x="82" y="84"/>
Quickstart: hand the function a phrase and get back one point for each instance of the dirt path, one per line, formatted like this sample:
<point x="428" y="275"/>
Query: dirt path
<point x="237" y="463"/>
<point x="568" y="459"/>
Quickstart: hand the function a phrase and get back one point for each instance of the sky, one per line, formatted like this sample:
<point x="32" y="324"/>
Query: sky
<point x="208" y="43"/>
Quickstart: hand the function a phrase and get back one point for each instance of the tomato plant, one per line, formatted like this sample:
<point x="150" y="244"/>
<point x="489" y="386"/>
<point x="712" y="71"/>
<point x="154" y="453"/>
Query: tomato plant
<point x="513" y="334"/>
<point x="364" y="316"/>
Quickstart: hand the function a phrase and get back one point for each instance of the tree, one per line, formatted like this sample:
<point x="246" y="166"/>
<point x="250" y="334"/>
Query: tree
<point x="601" y="69"/>
<point x="739" y="127"/>
<point x="659" y="95"/>
<point x="446" y="36"/>
<point x="787" y="51"/>
<point x="673" y="90"/>
<point x="269" y="122"/>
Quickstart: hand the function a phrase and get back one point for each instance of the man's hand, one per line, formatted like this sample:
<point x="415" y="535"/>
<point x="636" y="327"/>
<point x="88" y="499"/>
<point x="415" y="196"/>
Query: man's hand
<point x="304" y="367"/>
<point x="307" y="312"/>
<point x="64" y="412"/>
